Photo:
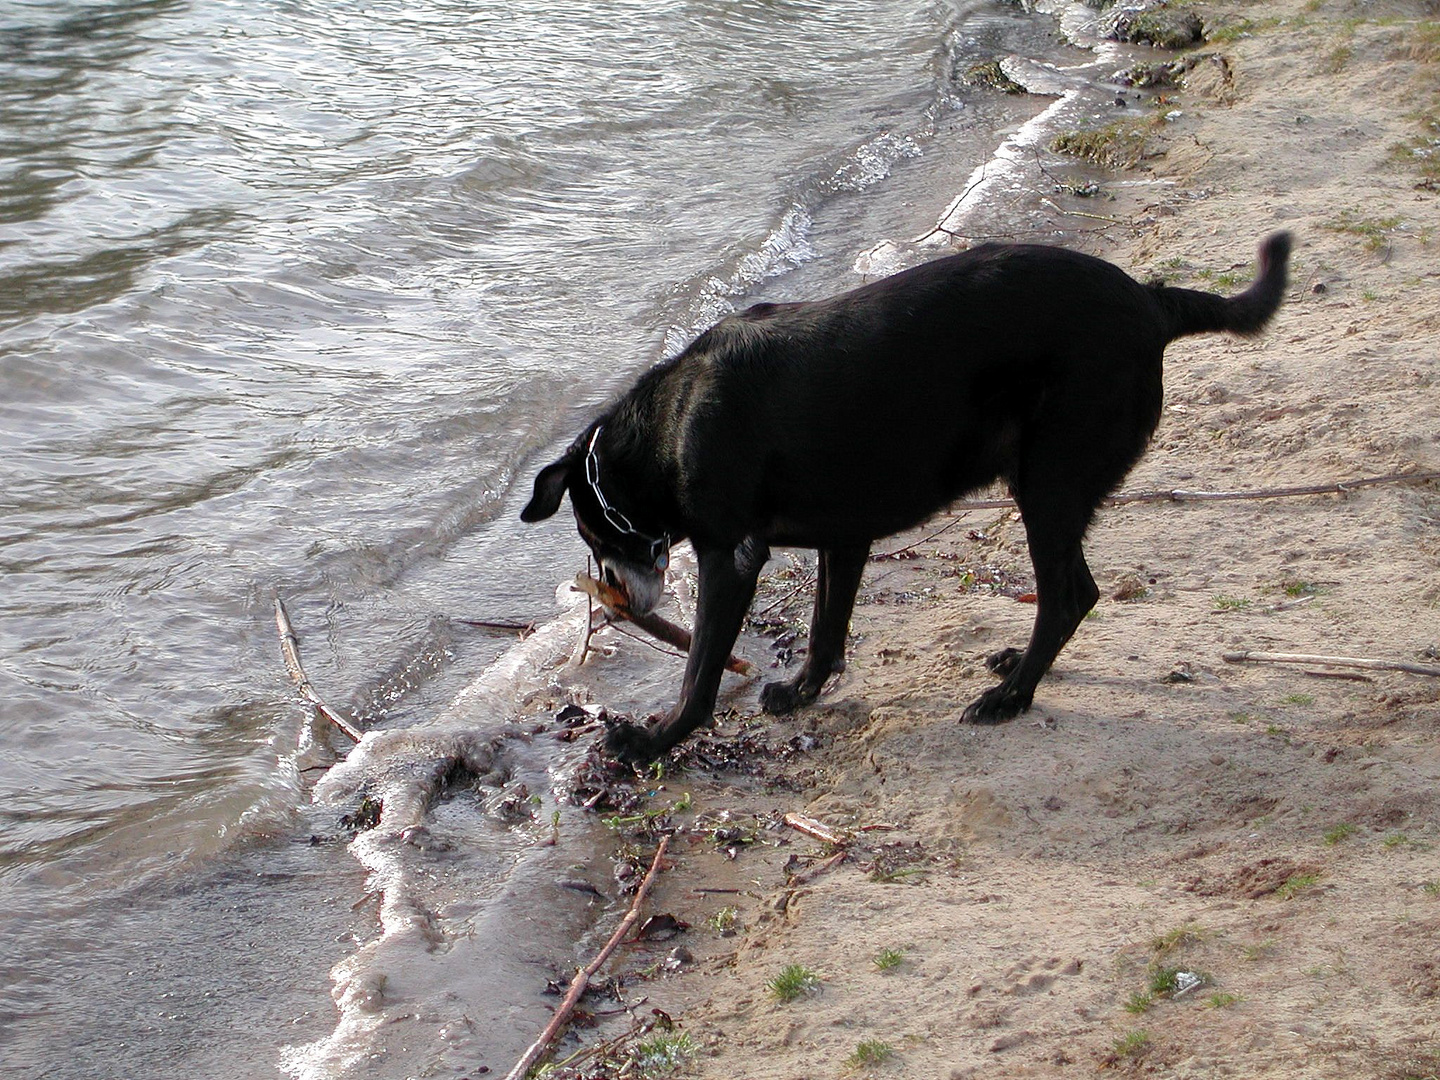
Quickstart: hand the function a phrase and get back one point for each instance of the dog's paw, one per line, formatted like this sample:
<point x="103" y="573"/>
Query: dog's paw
<point x="995" y="706"/>
<point x="779" y="698"/>
<point x="630" y="743"/>
<point x="1004" y="661"/>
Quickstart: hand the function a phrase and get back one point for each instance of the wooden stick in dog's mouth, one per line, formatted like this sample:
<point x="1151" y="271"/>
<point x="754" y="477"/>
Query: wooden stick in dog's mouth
<point x="658" y="627"/>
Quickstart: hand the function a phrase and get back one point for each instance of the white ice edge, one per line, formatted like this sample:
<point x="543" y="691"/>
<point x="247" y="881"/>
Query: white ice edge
<point x="404" y="769"/>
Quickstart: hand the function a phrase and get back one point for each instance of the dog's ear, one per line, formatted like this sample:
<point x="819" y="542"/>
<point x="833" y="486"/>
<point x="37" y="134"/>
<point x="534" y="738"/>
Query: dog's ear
<point x="550" y="488"/>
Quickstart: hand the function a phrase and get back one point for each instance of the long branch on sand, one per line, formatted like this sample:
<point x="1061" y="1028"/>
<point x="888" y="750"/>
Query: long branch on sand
<point x="1337" y="487"/>
<point x="290" y="649"/>
<point x="582" y="977"/>
<point x="656" y="626"/>
<point x="1330" y="661"/>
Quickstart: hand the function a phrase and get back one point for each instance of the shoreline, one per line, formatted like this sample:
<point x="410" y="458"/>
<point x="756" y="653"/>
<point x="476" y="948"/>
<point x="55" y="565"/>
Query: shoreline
<point x="1268" y="831"/>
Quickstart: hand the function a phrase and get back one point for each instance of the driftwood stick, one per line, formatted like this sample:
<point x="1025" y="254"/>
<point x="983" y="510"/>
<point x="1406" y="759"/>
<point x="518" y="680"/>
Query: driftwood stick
<point x="290" y="649"/>
<point x="1332" y="661"/>
<point x="582" y="977"/>
<point x="655" y="625"/>
<point x="1338" y="487"/>
<point x="817" y="829"/>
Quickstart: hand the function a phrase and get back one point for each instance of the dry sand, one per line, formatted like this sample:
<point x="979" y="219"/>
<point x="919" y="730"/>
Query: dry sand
<point x="1273" y="830"/>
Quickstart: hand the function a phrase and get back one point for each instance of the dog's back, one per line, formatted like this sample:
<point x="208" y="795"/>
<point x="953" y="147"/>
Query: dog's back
<point x="865" y="412"/>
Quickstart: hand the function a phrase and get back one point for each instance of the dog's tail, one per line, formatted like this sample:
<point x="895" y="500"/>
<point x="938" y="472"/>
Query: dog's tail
<point x="1193" y="312"/>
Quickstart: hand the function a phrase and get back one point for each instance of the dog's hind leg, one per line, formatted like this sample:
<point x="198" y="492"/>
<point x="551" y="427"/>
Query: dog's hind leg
<point x="1065" y="594"/>
<point x="727" y="580"/>
<point x="837" y="582"/>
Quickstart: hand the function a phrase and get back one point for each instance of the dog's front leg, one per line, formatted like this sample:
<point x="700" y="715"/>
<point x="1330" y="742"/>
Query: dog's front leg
<point x="837" y="581"/>
<point x="727" y="585"/>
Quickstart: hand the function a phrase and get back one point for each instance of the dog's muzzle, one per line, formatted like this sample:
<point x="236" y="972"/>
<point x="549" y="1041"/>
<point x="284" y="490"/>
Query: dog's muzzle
<point x="642" y="586"/>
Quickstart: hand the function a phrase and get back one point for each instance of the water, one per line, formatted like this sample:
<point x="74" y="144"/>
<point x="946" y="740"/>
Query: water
<point x="294" y="296"/>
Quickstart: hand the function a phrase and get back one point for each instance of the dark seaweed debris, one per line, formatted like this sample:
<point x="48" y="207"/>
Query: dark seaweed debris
<point x="365" y="816"/>
<point x="991" y="75"/>
<point x="1153" y="24"/>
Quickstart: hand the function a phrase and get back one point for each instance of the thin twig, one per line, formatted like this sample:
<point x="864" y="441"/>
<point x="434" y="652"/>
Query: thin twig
<point x="606" y="1047"/>
<point x="290" y="649"/>
<point x="804" y="583"/>
<point x="1338" y="487"/>
<point x="939" y="228"/>
<point x="884" y="555"/>
<point x="1247" y="655"/>
<point x="613" y="625"/>
<point x="654" y="625"/>
<point x="584" y="649"/>
<point x="1081" y="214"/>
<point x="582" y="977"/>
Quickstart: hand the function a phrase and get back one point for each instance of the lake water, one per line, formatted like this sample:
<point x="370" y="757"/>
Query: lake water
<point x="295" y="295"/>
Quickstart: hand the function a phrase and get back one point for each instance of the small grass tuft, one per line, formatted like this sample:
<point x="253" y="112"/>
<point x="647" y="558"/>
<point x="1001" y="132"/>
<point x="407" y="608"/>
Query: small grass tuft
<point x="724" y="920"/>
<point x="1374" y="231"/>
<point x="1222" y="1000"/>
<point x="1139" y="1002"/>
<point x="1337" y="59"/>
<point x="1296" y="884"/>
<point x="1422" y="151"/>
<point x="1132" y="1045"/>
<point x="1181" y="936"/>
<point x="1423" y="40"/>
<point x="1337" y="833"/>
<point x="1230" y="603"/>
<point x="1226" y="35"/>
<point x="1261" y="950"/>
<point x="794" y="981"/>
<point x="1164" y="980"/>
<point x="870" y="1053"/>
<point x="662" y="1054"/>
<point x="889" y="959"/>
<point x="1298" y="699"/>
<point x="1227" y="279"/>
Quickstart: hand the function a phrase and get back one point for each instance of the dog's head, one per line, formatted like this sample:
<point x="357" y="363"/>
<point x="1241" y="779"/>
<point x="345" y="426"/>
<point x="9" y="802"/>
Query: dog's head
<point x="631" y="560"/>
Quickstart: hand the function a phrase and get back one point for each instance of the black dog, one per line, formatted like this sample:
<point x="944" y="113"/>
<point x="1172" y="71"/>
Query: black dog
<point x="831" y="424"/>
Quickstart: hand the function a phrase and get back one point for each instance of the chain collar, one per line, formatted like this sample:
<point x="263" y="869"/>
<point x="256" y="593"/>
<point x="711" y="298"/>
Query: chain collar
<point x="659" y="549"/>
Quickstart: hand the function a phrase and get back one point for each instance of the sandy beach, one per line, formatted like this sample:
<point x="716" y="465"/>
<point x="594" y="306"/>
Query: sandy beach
<point x="1173" y="864"/>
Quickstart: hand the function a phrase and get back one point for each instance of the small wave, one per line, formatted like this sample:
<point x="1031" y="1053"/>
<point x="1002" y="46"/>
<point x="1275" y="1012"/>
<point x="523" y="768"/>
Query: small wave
<point x="1011" y="177"/>
<point x="788" y="246"/>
